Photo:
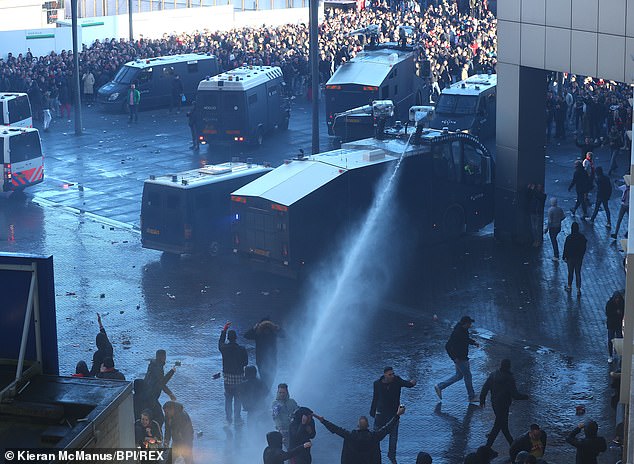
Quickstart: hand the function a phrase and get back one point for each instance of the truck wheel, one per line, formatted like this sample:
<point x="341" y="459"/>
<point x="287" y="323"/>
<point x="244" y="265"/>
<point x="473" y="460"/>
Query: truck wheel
<point x="454" y="222"/>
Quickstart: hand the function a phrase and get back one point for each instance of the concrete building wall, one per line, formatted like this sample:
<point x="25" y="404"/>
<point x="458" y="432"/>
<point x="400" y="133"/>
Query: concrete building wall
<point x="22" y="14"/>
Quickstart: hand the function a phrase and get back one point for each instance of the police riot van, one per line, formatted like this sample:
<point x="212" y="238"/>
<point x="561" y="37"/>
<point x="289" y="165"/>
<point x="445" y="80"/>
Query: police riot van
<point x="189" y="211"/>
<point x="386" y="71"/>
<point x="21" y="157"/>
<point x="242" y="105"/>
<point x="469" y="106"/>
<point x="153" y="79"/>
<point x="16" y="109"/>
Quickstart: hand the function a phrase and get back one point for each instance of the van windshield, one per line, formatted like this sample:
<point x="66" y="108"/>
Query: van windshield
<point x="19" y="109"/>
<point x="457" y="104"/>
<point x="24" y="147"/>
<point x="126" y="75"/>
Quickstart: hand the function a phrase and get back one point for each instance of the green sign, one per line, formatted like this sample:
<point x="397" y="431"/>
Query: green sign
<point x="40" y="36"/>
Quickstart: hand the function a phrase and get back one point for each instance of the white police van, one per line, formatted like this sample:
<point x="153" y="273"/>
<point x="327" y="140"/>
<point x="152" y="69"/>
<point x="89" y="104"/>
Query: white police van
<point x="16" y="109"/>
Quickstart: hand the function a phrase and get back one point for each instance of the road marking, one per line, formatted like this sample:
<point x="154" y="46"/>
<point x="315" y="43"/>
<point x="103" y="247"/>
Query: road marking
<point x="87" y="214"/>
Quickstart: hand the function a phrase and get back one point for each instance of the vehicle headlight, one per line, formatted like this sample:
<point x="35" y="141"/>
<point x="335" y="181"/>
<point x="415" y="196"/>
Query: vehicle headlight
<point x="113" y="96"/>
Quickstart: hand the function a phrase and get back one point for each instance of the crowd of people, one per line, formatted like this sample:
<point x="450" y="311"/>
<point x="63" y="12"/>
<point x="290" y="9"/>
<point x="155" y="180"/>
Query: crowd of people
<point x="457" y="39"/>
<point x="247" y="388"/>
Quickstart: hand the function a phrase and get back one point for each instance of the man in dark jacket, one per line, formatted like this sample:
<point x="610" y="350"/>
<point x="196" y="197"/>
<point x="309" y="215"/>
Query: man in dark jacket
<point x="386" y="399"/>
<point x="301" y="430"/>
<point x="582" y="184"/>
<point x="274" y="454"/>
<point x="604" y="192"/>
<point x="458" y="350"/>
<point x="104" y="349"/>
<point x="179" y="432"/>
<point x="154" y="383"/>
<point x="588" y="448"/>
<point x="253" y="396"/>
<point x="614" y="311"/>
<point x="586" y="146"/>
<point x="234" y="359"/>
<point x="501" y="384"/>
<point x="574" y="250"/>
<point x="533" y="442"/>
<point x="265" y="333"/>
<point x="362" y="446"/>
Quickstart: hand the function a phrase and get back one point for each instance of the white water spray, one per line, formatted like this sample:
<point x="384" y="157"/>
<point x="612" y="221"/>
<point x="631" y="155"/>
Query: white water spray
<point x="345" y="294"/>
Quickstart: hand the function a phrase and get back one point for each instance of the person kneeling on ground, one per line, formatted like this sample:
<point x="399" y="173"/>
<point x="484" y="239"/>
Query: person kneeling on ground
<point x="533" y="442"/>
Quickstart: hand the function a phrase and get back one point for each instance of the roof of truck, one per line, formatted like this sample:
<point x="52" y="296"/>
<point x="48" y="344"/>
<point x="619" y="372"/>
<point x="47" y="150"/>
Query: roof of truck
<point x="474" y="85"/>
<point x="207" y="175"/>
<point x="296" y="179"/>
<point x="243" y="78"/>
<point x="170" y="59"/>
<point x="369" y="67"/>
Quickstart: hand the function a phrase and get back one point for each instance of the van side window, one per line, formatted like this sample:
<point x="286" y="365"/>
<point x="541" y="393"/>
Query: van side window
<point x="472" y="171"/>
<point x="172" y="202"/>
<point x="192" y="67"/>
<point x="253" y="99"/>
<point x="443" y="165"/>
<point x="145" y="76"/>
<point x="273" y="90"/>
<point x="385" y="92"/>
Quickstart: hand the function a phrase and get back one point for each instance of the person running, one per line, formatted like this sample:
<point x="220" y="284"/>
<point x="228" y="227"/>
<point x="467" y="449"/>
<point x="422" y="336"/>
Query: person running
<point x="625" y="204"/>
<point x="604" y="192"/>
<point x="582" y="184"/>
<point x="501" y="384"/>
<point x="386" y="399"/>
<point x="574" y="251"/>
<point x="458" y="350"/>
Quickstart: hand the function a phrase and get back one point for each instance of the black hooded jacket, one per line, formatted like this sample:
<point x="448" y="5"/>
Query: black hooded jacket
<point x="588" y="448"/>
<point x="265" y="334"/>
<point x="274" y="454"/>
<point x="361" y="446"/>
<point x="501" y="383"/>
<point x="580" y="180"/>
<point x="104" y="350"/>
<point x="301" y="433"/>
<point x="574" y="247"/>
<point x="458" y="345"/>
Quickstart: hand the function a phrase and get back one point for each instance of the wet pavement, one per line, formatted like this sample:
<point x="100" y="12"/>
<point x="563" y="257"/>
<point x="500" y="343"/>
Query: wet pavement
<point x="86" y="215"/>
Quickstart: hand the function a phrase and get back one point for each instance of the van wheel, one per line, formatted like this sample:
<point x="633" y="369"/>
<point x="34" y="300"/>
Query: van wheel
<point x="454" y="222"/>
<point x="170" y="258"/>
<point x="259" y="137"/>
<point x="214" y="248"/>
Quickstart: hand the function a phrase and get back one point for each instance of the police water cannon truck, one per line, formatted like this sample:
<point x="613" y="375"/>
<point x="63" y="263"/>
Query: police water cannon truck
<point x="386" y="71"/>
<point x="291" y="218"/>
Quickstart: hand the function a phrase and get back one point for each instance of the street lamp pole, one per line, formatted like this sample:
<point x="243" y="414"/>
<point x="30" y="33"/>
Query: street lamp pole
<point x="130" y="19"/>
<point x="76" y="87"/>
<point x="313" y="9"/>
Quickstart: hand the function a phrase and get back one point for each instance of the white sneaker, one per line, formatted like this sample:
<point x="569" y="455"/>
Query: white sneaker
<point x="610" y="359"/>
<point x="555" y="259"/>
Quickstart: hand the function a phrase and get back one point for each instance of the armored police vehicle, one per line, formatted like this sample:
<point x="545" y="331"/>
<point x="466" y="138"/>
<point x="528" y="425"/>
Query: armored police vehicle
<point x="468" y="105"/>
<point x="242" y="105"/>
<point x="189" y="211"/>
<point x="381" y="72"/>
<point x="153" y="78"/>
<point x="288" y="220"/>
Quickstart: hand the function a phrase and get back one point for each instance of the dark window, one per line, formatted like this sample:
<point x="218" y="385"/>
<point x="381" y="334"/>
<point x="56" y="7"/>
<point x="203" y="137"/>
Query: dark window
<point x="253" y="99"/>
<point x="1" y="150"/>
<point x="19" y="109"/>
<point x="25" y="147"/>
<point x="446" y="104"/>
<point x="472" y="171"/>
<point x="192" y="67"/>
<point x="443" y="162"/>
<point x="146" y="76"/>
<point x="385" y="92"/>
<point x="232" y="101"/>
<point x="126" y="75"/>
<point x="172" y="202"/>
<point x="466" y="105"/>
<point x="273" y="90"/>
